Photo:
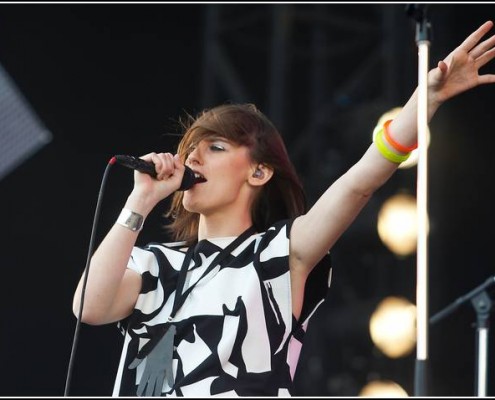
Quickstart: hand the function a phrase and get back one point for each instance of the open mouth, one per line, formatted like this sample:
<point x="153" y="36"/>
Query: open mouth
<point x="198" y="178"/>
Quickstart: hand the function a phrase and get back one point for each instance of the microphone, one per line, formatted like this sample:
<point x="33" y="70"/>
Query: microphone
<point x="188" y="180"/>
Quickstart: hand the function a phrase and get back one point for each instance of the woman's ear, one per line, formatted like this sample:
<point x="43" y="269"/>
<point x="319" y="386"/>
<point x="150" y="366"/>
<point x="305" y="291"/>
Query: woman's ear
<point x="261" y="175"/>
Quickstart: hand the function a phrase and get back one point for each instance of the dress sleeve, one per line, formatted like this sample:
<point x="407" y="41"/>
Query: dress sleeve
<point x="274" y="258"/>
<point x="143" y="260"/>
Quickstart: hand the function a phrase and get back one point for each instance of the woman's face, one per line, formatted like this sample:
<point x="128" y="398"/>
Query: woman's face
<point x="225" y="167"/>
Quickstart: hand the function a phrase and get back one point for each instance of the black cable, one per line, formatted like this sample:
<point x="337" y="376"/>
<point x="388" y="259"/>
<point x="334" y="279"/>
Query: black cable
<point x="86" y="271"/>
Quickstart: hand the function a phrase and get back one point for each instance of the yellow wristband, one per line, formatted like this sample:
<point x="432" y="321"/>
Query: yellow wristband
<point x="386" y="152"/>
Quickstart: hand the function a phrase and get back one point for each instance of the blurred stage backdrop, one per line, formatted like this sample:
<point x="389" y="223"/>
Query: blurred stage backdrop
<point x="82" y="82"/>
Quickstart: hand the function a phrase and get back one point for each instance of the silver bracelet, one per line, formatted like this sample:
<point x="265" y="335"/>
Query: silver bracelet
<point x="130" y="220"/>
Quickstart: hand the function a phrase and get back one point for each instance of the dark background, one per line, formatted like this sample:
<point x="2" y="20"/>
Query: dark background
<point x="110" y="79"/>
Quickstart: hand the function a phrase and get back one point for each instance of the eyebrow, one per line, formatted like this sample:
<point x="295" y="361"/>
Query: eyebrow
<point x="219" y="138"/>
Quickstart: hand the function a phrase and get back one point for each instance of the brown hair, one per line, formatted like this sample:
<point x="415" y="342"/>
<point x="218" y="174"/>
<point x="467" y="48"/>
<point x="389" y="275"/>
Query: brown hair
<point x="282" y="197"/>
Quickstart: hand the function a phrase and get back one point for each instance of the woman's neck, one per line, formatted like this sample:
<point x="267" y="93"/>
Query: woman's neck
<point x="212" y="227"/>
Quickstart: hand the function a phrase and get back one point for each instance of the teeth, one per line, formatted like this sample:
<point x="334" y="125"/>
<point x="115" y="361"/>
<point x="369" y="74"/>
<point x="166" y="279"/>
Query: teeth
<point x="198" y="177"/>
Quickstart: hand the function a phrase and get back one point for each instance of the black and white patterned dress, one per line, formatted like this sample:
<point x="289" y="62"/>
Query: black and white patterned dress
<point x="235" y="332"/>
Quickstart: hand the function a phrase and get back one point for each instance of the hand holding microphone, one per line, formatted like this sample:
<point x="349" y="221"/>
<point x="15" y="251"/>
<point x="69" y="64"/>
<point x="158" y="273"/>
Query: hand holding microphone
<point x="147" y="167"/>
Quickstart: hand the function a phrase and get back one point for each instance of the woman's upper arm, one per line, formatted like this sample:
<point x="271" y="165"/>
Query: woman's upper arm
<point x="314" y="233"/>
<point x="126" y="295"/>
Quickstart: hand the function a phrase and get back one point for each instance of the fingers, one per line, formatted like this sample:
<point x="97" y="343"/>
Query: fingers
<point x="483" y="47"/>
<point x="150" y="388"/>
<point x="165" y="164"/>
<point x="485" y="79"/>
<point x="142" y="384"/>
<point x="159" y="379"/>
<point x="177" y="162"/>
<point x="485" y="57"/>
<point x="472" y="40"/>
<point x="436" y="75"/>
<point x="443" y="67"/>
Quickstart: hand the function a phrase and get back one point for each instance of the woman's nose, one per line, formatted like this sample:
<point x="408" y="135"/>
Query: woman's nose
<point x="193" y="157"/>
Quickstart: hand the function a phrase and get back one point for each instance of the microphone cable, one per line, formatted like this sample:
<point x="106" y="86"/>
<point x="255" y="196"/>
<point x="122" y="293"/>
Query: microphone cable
<point x="86" y="271"/>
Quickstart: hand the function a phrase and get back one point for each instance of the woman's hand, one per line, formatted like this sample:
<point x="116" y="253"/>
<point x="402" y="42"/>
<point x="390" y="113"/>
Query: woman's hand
<point x="459" y="71"/>
<point x="149" y="191"/>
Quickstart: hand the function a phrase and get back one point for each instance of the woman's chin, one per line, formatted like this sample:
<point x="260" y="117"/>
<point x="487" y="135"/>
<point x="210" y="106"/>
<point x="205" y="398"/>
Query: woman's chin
<point x="189" y="205"/>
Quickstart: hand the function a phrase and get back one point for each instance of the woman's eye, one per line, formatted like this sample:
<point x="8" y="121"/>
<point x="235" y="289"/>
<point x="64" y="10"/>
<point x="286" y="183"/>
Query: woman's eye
<point x="217" y="147"/>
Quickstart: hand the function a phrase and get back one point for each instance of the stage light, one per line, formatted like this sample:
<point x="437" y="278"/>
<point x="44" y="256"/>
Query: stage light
<point x="392" y="327"/>
<point x="382" y="388"/>
<point x="398" y="225"/>
<point x="22" y="132"/>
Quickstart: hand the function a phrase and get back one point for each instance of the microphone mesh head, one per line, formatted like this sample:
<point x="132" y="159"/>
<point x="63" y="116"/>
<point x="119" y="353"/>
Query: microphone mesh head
<point x="188" y="180"/>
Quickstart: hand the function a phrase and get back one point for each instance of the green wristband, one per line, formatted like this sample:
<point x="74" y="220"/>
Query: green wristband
<point x="386" y="152"/>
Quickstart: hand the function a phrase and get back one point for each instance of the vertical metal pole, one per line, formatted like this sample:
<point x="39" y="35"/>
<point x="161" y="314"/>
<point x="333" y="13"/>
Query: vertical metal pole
<point x="482" y="304"/>
<point x="422" y="207"/>
<point x="422" y="40"/>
